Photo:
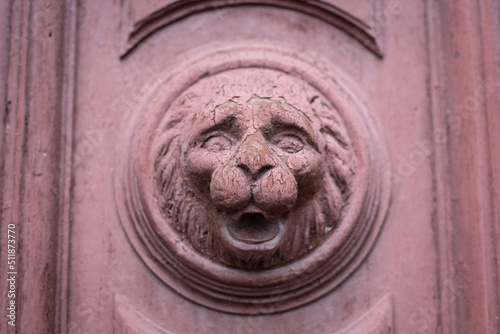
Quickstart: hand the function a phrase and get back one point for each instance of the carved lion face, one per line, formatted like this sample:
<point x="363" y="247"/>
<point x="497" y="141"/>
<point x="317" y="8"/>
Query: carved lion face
<point x="256" y="181"/>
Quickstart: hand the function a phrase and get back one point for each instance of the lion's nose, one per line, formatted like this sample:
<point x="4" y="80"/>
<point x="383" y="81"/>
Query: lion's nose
<point x="254" y="156"/>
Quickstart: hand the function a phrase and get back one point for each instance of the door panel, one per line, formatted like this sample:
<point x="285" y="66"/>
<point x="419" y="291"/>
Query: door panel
<point x="113" y="97"/>
<point x="254" y="166"/>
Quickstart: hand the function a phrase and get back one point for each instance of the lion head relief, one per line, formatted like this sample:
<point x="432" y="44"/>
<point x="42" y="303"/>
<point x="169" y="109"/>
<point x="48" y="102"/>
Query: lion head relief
<point x="252" y="182"/>
<point x="252" y="170"/>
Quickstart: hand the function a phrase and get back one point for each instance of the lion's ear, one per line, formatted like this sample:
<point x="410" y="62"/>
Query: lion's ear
<point x="166" y="161"/>
<point x="341" y="163"/>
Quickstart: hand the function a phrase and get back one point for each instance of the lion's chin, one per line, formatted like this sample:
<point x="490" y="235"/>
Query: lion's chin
<point x="251" y="232"/>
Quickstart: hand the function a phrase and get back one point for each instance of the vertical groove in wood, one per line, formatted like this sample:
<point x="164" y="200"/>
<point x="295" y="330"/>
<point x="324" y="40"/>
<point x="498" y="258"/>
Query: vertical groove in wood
<point x="442" y="223"/>
<point x="488" y="26"/>
<point x="36" y="143"/>
<point x="66" y="163"/>
<point x="14" y="133"/>
<point x="462" y="106"/>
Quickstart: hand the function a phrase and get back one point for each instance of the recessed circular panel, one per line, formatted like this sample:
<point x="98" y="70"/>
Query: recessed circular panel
<point x="252" y="183"/>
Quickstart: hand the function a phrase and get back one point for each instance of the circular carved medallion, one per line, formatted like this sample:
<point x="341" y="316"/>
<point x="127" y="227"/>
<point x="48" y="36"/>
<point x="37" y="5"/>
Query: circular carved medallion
<point x="252" y="183"/>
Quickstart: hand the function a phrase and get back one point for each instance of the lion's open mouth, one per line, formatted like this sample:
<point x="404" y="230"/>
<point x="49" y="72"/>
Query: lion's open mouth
<point x="253" y="228"/>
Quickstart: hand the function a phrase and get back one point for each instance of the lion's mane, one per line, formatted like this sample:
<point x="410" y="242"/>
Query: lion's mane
<point x="194" y="217"/>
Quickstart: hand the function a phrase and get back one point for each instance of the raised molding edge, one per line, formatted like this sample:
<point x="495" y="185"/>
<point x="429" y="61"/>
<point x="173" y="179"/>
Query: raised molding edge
<point x="36" y="160"/>
<point x="379" y="319"/>
<point x="133" y="33"/>
<point x="463" y="42"/>
<point x="128" y="320"/>
<point x="66" y="162"/>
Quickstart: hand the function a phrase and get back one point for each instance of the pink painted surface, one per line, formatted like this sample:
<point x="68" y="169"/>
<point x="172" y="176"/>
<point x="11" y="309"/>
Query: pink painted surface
<point x="114" y="103"/>
<point x="277" y="220"/>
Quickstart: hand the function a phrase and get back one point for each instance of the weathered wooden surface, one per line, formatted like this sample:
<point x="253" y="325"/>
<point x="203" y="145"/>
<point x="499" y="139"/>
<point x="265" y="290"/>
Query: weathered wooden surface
<point x="433" y="97"/>
<point x="36" y="160"/>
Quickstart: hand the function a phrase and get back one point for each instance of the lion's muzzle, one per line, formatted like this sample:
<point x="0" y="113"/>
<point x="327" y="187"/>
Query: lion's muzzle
<point x="254" y="174"/>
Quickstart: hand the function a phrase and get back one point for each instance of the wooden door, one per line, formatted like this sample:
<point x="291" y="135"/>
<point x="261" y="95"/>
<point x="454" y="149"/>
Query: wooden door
<point x="240" y="166"/>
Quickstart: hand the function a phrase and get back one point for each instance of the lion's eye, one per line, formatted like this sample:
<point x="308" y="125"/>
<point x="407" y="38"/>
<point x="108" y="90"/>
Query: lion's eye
<point x="289" y="143"/>
<point x="216" y="143"/>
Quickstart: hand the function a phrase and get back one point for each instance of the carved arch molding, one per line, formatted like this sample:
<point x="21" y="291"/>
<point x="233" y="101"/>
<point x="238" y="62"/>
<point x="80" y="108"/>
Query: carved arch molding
<point x="253" y="179"/>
